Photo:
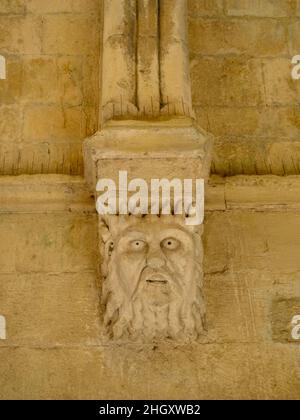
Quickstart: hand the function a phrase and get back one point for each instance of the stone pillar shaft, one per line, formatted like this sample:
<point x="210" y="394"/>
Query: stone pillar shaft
<point x="174" y="58"/>
<point x="119" y="58"/>
<point x="145" y="70"/>
<point x="148" y="89"/>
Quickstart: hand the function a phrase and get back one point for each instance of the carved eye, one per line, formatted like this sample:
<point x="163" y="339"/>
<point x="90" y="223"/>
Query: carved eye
<point x="170" y="244"/>
<point x="137" y="245"/>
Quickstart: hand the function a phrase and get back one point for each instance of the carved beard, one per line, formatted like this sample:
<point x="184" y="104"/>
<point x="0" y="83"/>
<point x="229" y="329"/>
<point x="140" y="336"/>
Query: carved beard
<point x="154" y="311"/>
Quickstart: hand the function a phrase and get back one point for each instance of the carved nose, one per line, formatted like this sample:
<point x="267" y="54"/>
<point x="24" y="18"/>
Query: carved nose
<point x="155" y="262"/>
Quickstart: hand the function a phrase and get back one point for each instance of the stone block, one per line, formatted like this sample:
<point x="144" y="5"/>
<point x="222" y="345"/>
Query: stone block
<point x="8" y="246"/>
<point x="280" y="88"/>
<point x="262" y="192"/>
<point x="44" y="194"/>
<point x="90" y="82"/>
<point x="234" y="81"/>
<point x="238" y="36"/>
<point x="284" y="157"/>
<point x="144" y="149"/>
<point x="71" y="78"/>
<point x="237" y="306"/>
<point x="57" y="244"/>
<point x="205" y="7"/>
<point x="40" y="79"/>
<point x="230" y="121"/>
<point x="243" y="82"/>
<point x="12" y="7"/>
<point x="261" y="241"/>
<point x="261" y="8"/>
<point x="20" y="34"/>
<point x="207" y="81"/>
<point x="63" y="157"/>
<point x="42" y="122"/>
<point x="62" y="6"/>
<point x="230" y="371"/>
<point x="47" y="310"/>
<point x="64" y="34"/>
<point x="11" y="87"/>
<point x="283" y="312"/>
<point x="51" y="243"/>
<point x="217" y="253"/>
<point x="10" y="129"/>
<point x="293" y="34"/>
<point x="50" y="79"/>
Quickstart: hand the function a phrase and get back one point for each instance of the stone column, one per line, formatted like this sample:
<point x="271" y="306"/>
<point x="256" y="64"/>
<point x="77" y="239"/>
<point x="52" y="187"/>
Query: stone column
<point x="148" y="71"/>
<point x="145" y="59"/>
<point x="151" y="263"/>
<point x="175" y="82"/>
<point x="119" y="58"/>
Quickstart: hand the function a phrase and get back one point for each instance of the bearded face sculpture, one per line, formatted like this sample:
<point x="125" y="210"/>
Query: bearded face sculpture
<point x="152" y="278"/>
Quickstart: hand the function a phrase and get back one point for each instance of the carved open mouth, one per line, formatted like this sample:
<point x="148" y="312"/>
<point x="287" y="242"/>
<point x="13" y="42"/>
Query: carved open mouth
<point x="155" y="277"/>
<point x="156" y="281"/>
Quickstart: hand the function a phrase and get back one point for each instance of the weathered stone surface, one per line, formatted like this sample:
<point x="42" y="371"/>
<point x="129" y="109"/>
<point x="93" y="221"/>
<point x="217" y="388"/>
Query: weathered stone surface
<point x="47" y="310"/>
<point x="205" y="7"/>
<point x="266" y="8"/>
<point x="66" y="80"/>
<point x="44" y="194"/>
<point x="10" y="90"/>
<point x="10" y="116"/>
<point x="235" y="372"/>
<point x="280" y="89"/>
<point x="39" y="74"/>
<point x="226" y="81"/>
<point x="273" y="248"/>
<point x="294" y="43"/>
<point x="53" y="123"/>
<point x="283" y="311"/>
<point x="157" y="147"/>
<point x="54" y="346"/>
<point x="38" y="157"/>
<point x="62" y="6"/>
<point x="155" y="302"/>
<point x="243" y="80"/>
<point x="20" y="35"/>
<point x="238" y="36"/>
<point x="277" y="122"/>
<point x="69" y="35"/>
<point x="51" y="243"/>
<point x="262" y="94"/>
<point x="244" y="94"/>
<point x="12" y="6"/>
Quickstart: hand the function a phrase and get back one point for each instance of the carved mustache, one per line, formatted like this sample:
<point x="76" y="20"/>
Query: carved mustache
<point x="162" y="276"/>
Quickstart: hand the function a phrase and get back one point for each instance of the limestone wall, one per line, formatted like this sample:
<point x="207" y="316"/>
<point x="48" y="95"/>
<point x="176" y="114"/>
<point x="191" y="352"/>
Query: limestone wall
<point x="241" y="53"/>
<point x="48" y="102"/>
<point x="243" y="92"/>
<point x="49" y="294"/>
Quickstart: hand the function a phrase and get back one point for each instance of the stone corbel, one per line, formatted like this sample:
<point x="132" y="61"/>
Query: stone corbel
<point x="151" y="263"/>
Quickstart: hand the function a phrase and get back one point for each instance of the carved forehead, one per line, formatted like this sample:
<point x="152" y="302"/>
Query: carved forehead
<point x="120" y="225"/>
<point x="156" y="231"/>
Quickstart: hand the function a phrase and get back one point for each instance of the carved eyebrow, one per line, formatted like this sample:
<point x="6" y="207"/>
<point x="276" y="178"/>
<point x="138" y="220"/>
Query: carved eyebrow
<point x="135" y="235"/>
<point x="174" y="233"/>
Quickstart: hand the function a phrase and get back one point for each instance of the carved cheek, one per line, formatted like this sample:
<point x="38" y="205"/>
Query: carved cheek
<point x="180" y="262"/>
<point x="131" y="266"/>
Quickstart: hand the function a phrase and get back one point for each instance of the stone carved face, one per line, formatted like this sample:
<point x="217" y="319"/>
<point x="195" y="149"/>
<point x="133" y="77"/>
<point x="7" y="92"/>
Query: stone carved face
<point x="153" y="285"/>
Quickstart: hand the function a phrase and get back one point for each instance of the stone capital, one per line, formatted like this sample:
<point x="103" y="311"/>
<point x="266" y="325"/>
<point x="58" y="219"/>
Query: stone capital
<point x="175" y="148"/>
